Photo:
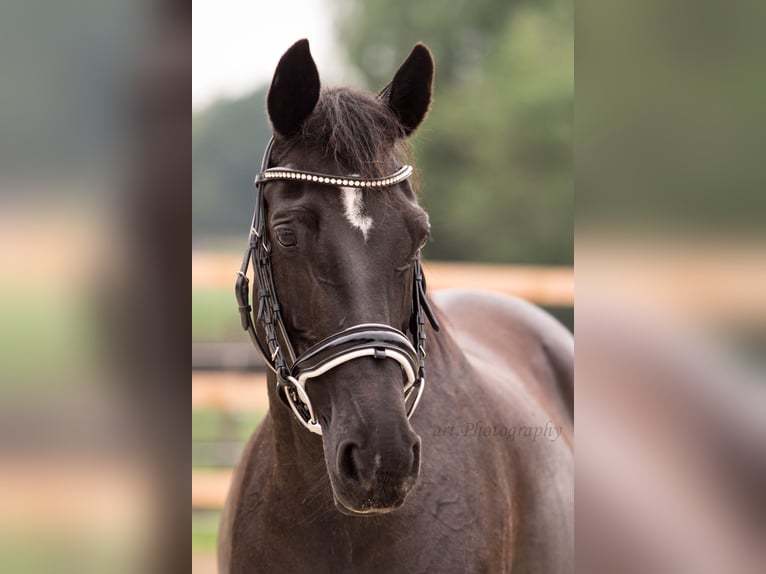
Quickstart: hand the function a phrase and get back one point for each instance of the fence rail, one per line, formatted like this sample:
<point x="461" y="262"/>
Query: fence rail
<point x="226" y="391"/>
<point x="553" y="286"/>
<point x="209" y="488"/>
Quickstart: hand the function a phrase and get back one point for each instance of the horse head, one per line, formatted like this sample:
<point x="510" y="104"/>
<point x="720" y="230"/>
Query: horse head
<point x="343" y="255"/>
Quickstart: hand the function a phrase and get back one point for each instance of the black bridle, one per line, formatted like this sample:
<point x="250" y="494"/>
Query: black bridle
<point x="365" y="340"/>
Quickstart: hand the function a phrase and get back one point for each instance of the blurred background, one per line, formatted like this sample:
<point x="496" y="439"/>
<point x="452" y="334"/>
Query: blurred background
<point x="494" y="159"/>
<point x="671" y="287"/>
<point x="94" y="196"/>
<point x="96" y="174"/>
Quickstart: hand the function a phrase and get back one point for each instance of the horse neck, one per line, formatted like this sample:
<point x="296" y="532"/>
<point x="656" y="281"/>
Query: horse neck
<point x="298" y="452"/>
<point x="445" y="353"/>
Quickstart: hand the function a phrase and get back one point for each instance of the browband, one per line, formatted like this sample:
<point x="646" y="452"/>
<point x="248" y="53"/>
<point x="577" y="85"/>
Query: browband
<point x="285" y="173"/>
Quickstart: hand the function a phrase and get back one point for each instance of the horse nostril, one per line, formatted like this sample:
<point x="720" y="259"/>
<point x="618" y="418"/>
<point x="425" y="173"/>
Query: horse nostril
<point x="348" y="460"/>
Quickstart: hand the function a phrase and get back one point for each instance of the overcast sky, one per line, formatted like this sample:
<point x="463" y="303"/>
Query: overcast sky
<point x="237" y="43"/>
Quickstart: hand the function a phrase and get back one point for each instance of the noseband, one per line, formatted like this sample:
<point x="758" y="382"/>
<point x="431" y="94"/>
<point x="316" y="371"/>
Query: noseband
<point x="365" y="340"/>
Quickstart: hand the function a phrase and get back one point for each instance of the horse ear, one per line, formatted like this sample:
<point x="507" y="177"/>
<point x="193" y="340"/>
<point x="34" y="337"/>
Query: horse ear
<point x="294" y="90"/>
<point x="409" y="93"/>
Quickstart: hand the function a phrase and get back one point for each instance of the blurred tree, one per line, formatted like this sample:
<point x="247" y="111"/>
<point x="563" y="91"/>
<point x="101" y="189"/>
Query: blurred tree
<point x="64" y="101"/>
<point x="495" y="155"/>
<point x="378" y="34"/>
<point x="227" y="144"/>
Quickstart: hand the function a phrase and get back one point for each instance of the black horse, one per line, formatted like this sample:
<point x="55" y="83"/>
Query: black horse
<point x="480" y="478"/>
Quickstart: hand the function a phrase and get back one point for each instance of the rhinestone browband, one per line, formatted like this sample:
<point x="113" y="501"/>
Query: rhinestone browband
<point x="283" y="173"/>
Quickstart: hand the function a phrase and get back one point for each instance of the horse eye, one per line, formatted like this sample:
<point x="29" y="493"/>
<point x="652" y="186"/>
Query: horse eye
<point x="286" y="236"/>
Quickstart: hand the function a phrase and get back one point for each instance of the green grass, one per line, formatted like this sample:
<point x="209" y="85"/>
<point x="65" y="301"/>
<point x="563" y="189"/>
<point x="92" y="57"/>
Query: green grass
<point x="211" y="425"/>
<point x="205" y="531"/>
<point x="45" y="337"/>
<point x="67" y="551"/>
<point x="215" y="316"/>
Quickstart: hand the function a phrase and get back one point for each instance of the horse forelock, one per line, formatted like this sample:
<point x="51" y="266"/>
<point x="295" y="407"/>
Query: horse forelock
<point x="353" y="130"/>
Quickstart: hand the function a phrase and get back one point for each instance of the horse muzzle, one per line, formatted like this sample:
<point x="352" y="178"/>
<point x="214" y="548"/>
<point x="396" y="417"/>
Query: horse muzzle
<point x="377" y="478"/>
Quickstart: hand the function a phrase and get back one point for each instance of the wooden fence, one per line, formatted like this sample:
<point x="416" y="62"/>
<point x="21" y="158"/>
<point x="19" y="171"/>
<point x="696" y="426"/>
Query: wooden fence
<point x="544" y="285"/>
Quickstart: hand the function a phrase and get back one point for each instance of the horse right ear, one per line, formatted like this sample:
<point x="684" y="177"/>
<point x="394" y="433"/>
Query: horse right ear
<point x="409" y="93"/>
<point x="294" y="90"/>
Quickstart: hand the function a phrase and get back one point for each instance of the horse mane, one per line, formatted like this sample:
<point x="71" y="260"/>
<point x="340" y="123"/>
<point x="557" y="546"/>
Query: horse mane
<point x="353" y="129"/>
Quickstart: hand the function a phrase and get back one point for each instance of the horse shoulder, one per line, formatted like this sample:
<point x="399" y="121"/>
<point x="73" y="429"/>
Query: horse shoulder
<point x="505" y="333"/>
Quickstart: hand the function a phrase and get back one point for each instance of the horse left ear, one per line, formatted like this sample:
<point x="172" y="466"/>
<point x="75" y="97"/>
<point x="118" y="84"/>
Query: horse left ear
<point x="409" y="93"/>
<point x="294" y="90"/>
